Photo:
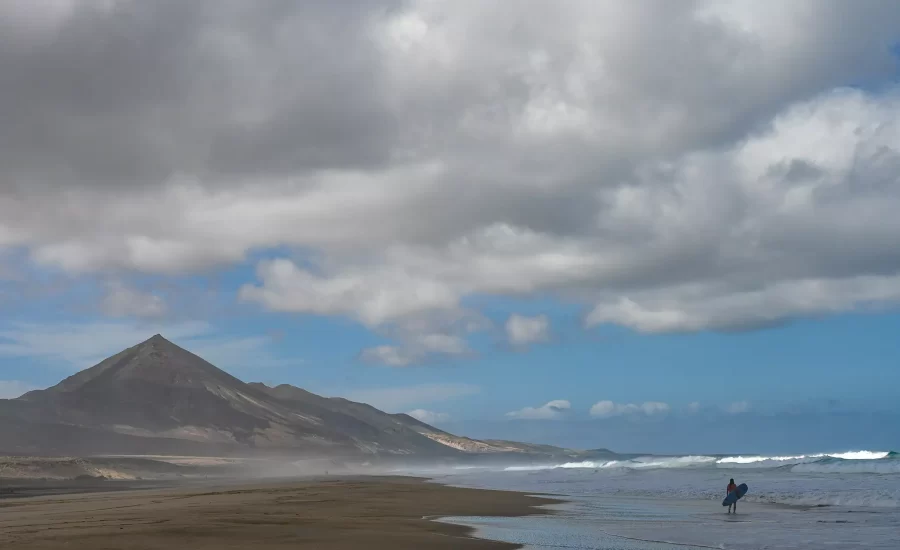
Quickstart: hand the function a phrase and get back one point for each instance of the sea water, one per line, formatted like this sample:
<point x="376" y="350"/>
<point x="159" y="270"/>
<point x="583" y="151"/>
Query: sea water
<point x="833" y="501"/>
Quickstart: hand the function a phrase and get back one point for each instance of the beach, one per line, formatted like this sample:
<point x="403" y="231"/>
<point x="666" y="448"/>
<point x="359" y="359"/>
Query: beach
<point x="339" y="514"/>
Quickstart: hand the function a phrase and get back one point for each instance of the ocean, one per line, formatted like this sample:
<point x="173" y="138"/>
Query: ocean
<point x="835" y="501"/>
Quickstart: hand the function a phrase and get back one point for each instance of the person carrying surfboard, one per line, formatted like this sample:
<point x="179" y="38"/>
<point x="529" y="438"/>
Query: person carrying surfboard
<point x="731" y="487"/>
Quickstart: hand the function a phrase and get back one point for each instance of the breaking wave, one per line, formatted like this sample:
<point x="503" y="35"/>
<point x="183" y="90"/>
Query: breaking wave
<point x="851" y="455"/>
<point x="875" y="462"/>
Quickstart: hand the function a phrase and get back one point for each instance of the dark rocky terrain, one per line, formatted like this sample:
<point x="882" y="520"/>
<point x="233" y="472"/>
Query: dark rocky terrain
<point x="157" y="398"/>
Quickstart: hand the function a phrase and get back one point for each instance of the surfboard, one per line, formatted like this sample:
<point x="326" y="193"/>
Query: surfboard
<point x="735" y="495"/>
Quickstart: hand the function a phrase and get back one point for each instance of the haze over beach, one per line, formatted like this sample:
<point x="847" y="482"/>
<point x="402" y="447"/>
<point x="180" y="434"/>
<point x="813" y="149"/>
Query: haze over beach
<point x="617" y="252"/>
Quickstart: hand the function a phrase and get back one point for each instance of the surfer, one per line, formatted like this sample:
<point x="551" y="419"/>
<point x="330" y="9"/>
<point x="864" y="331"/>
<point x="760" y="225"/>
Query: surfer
<point x="731" y="487"/>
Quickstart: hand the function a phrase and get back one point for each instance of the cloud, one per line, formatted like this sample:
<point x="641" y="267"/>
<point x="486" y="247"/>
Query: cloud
<point x="375" y="297"/>
<point x="398" y="399"/>
<point x="429" y="417"/>
<point x="10" y="389"/>
<point x="738" y="407"/>
<point x="122" y="301"/>
<point x="416" y="154"/>
<point x="553" y="410"/>
<point x="607" y="409"/>
<point x="694" y="407"/>
<point x="391" y="356"/>
<point x="521" y="330"/>
<point x="421" y="312"/>
<point x="81" y="345"/>
<point x="418" y="349"/>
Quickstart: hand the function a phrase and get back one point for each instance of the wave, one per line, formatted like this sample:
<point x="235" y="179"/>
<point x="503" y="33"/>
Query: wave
<point x="877" y="462"/>
<point x="587" y="465"/>
<point x="758" y="459"/>
<point x="674" y="462"/>
<point x="844" y="466"/>
<point x="637" y="463"/>
<point x="863" y="455"/>
<point x="850" y="455"/>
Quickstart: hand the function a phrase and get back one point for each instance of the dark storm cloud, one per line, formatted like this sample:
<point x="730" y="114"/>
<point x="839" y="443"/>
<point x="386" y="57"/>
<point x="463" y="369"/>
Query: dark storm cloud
<point x="677" y="166"/>
<point x="132" y="93"/>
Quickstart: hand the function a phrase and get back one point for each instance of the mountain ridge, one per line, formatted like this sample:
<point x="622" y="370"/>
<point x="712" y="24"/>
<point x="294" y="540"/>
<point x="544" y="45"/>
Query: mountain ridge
<point x="158" y="396"/>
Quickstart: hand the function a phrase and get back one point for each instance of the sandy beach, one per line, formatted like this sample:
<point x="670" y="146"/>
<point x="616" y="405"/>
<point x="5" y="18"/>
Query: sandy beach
<point x="372" y="513"/>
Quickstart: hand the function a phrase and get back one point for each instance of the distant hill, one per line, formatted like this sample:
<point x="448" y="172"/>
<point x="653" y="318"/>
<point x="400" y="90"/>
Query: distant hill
<point x="157" y="398"/>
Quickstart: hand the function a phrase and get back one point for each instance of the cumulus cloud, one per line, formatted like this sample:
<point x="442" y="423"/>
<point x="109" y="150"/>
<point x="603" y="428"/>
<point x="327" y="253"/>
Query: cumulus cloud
<point x="122" y="301"/>
<point x="10" y="389"/>
<point x="421" y="348"/>
<point x="406" y="156"/>
<point x="522" y="330"/>
<point x="398" y="399"/>
<point x="421" y="312"/>
<point x="552" y="410"/>
<point x="607" y="409"/>
<point x="693" y="407"/>
<point x="429" y="417"/>
<point x="374" y="297"/>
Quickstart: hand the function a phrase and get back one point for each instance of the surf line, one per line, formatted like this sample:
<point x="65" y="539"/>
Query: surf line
<point x="543" y="545"/>
<point x="607" y="533"/>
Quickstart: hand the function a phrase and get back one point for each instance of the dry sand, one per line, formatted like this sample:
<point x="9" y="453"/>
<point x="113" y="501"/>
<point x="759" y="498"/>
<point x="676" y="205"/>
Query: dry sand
<point x="363" y="513"/>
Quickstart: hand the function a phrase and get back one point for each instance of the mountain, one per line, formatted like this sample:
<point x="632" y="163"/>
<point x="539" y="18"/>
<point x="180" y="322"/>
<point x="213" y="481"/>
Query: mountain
<point x="157" y="398"/>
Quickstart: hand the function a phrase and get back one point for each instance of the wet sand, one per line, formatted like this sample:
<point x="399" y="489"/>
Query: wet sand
<point x="365" y="513"/>
<point x="24" y="488"/>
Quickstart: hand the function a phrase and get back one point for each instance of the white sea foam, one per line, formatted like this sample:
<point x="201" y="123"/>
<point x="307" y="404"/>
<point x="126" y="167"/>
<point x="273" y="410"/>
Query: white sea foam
<point x="755" y="459"/>
<point x="638" y="463"/>
<point x="861" y="455"/>
<point x="849" y="462"/>
<point x="595" y="464"/>
<point x="588" y="464"/>
<point x="781" y="460"/>
<point x="673" y="462"/>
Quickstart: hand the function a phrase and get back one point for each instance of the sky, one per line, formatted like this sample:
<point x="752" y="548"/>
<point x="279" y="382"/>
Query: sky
<point x="644" y="225"/>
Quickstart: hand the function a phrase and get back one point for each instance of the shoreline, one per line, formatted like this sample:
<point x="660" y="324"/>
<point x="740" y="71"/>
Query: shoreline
<point x="339" y="513"/>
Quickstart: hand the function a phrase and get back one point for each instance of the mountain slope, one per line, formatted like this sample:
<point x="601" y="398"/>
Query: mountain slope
<point x="400" y="424"/>
<point x="157" y="394"/>
<point x="155" y="387"/>
<point x="157" y="398"/>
